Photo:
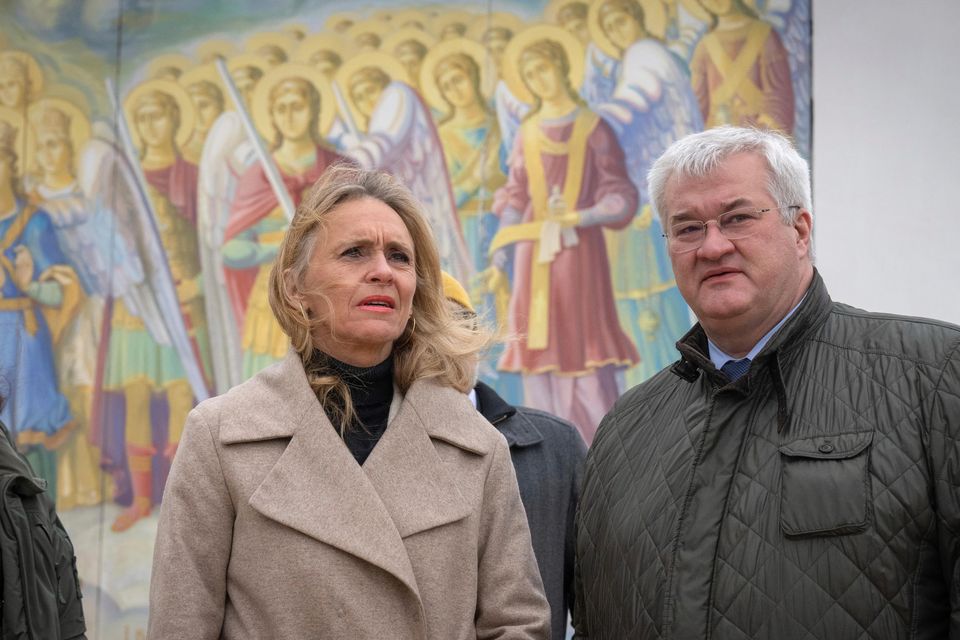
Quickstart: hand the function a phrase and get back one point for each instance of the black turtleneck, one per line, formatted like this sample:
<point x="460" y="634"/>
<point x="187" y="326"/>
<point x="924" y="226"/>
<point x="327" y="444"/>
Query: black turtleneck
<point x="371" y="389"/>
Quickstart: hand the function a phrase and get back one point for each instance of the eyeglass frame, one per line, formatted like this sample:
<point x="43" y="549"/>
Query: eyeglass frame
<point x="716" y="219"/>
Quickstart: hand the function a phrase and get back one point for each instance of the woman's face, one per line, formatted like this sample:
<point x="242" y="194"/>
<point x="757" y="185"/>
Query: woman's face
<point x="542" y="77"/>
<point x="456" y="87"/>
<point x="291" y="114"/>
<point x="360" y="282"/>
<point x="621" y="28"/>
<point x="53" y="153"/>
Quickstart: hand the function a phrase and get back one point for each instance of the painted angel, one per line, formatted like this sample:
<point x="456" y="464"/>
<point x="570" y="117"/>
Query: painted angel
<point x="242" y="217"/>
<point x="396" y="134"/>
<point x="650" y="107"/>
<point x="753" y="68"/>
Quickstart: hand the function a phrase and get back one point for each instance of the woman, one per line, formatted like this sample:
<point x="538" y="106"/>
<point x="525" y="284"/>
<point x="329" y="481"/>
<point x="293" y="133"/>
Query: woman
<point x="349" y="491"/>
<point x="567" y="182"/>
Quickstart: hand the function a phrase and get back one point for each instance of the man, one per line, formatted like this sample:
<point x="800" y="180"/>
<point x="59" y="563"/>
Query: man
<point x="547" y="455"/>
<point x="794" y="475"/>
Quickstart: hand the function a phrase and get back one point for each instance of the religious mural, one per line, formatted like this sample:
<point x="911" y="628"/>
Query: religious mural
<point x="152" y="153"/>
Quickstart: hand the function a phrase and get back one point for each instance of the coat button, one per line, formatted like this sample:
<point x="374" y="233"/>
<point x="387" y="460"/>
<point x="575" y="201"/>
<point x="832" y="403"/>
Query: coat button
<point x="826" y="447"/>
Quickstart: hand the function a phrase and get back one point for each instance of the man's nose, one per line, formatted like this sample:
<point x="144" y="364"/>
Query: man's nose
<point x="715" y="244"/>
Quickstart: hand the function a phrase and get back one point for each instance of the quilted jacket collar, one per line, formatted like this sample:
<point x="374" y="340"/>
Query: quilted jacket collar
<point x="810" y="315"/>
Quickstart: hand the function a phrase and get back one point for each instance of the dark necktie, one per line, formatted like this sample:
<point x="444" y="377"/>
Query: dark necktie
<point x="736" y="368"/>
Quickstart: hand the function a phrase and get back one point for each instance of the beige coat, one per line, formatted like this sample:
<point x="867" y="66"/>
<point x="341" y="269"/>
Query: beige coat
<point x="270" y="529"/>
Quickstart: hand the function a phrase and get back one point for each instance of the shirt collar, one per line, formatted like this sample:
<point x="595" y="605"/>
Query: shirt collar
<point x="720" y="358"/>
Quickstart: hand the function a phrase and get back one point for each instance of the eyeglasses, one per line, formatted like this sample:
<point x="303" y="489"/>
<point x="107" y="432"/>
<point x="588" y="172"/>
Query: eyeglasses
<point x="734" y="225"/>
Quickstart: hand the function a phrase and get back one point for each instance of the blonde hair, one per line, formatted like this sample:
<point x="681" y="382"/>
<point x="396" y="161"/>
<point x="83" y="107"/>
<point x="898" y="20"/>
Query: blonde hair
<point x="435" y="344"/>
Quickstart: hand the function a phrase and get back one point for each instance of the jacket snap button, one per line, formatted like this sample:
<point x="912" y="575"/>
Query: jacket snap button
<point x="826" y="447"/>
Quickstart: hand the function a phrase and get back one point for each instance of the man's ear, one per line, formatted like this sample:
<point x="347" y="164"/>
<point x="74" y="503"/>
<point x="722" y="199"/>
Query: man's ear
<point x="803" y="224"/>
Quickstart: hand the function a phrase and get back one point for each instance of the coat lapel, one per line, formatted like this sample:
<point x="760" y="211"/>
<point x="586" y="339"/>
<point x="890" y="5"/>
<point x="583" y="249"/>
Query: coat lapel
<point x="316" y="487"/>
<point x="414" y="484"/>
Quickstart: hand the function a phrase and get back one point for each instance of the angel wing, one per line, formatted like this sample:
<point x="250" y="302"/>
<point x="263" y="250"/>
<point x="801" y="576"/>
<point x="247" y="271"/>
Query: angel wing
<point x="403" y="141"/>
<point x="139" y="272"/>
<point x="600" y="75"/>
<point x="792" y="18"/>
<point x="651" y="107"/>
<point x="510" y="113"/>
<point x="226" y="155"/>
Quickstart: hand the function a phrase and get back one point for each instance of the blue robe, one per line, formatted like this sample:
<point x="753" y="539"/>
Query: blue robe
<point x="35" y="411"/>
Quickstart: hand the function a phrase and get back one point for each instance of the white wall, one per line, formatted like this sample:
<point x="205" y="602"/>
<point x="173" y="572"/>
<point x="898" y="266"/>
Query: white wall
<point x="886" y="172"/>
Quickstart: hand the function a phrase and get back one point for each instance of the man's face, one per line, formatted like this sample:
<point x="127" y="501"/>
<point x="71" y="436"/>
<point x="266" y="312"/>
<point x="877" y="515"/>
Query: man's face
<point x="740" y="285"/>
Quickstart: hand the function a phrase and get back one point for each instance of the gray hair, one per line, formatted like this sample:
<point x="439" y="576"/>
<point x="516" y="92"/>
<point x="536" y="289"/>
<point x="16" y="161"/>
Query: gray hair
<point x="699" y="154"/>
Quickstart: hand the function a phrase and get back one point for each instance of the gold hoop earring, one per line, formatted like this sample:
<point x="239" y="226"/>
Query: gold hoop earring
<point x="303" y="312"/>
<point x="413" y="327"/>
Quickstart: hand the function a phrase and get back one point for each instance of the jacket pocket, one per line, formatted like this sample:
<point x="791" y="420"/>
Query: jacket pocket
<point x="826" y="484"/>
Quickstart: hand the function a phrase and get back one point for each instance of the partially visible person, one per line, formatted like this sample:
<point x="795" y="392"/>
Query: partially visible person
<point x="547" y="454"/>
<point x="795" y="474"/>
<point x="40" y="589"/>
<point x="349" y="491"/>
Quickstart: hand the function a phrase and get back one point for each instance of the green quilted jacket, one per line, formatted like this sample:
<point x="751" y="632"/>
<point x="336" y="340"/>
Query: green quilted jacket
<point x="816" y="497"/>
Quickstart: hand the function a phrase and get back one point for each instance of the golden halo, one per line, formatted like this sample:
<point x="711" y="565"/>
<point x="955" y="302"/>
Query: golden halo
<point x="298" y="30"/>
<point x="207" y="73"/>
<point x="654" y="18"/>
<point x="260" y="102"/>
<point x="34" y="73"/>
<point x="395" y="39"/>
<point x="501" y="19"/>
<point x="322" y="42"/>
<point x="71" y="94"/>
<point x="247" y="60"/>
<point x="376" y="27"/>
<point x="210" y="50"/>
<point x="176" y="61"/>
<point x="447" y="18"/>
<point x="384" y="15"/>
<point x="428" y="85"/>
<point x="15" y="119"/>
<point x="511" y="57"/>
<point x="552" y="11"/>
<point x="403" y="18"/>
<point x="340" y="23"/>
<point x="284" y="41"/>
<point x="378" y="59"/>
<point x="406" y="34"/>
<point x="179" y="94"/>
<point x="79" y="123"/>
